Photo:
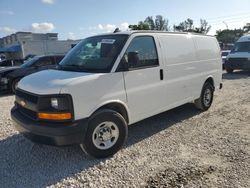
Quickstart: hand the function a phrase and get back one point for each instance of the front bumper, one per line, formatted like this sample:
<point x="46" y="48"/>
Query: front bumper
<point x="50" y="133"/>
<point x="237" y="64"/>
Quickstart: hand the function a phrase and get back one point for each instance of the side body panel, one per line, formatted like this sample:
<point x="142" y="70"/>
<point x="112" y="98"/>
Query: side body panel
<point x="187" y="63"/>
<point x="208" y="63"/>
<point x="178" y="55"/>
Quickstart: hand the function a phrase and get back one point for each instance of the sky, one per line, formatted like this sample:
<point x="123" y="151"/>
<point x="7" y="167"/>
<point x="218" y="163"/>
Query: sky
<point x="77" y="19"/>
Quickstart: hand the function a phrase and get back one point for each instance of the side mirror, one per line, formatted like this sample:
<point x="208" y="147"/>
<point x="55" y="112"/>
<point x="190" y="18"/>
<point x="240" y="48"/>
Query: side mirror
<point x="133" y="59"/>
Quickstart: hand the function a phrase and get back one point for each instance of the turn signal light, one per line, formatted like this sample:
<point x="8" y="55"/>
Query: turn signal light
<point x="55" y="116"/>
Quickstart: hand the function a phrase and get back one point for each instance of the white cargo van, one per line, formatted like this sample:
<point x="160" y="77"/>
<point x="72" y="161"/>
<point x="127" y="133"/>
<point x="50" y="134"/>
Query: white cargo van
<point x="239" y="57"/>
<point x="108" y="82"/>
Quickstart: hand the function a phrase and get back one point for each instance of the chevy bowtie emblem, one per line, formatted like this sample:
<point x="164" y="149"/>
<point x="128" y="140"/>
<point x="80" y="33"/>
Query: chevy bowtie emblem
<point x="22" y="103"/>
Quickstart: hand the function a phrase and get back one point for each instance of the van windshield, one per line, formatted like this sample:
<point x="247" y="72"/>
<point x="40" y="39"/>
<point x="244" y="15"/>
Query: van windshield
<point x="94" y="54"/>
<point x="242" y="47"/>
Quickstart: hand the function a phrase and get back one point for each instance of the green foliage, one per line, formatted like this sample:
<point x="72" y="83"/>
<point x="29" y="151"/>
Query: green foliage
<point x="188" y="26"/>
<point x="204" y="27"/>
<point x="159" y="23"/>
<point x="246" y="28"/>
<point x="141" y="26"/>
<point x="228" y="35"/>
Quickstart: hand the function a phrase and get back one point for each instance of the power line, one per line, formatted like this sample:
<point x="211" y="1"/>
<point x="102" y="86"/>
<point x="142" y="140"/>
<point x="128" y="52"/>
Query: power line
<point x="230" y="19"/>
<point x="225" y="17"/>
<point x="228" y="16"/>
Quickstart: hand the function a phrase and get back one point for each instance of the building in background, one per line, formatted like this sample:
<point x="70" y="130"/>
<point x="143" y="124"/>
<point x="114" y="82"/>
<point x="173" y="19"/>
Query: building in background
<point x="21" y="44"/>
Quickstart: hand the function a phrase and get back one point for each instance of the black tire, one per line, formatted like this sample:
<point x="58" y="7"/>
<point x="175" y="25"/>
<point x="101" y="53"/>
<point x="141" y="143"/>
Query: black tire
<point x="204" y="102"/>
<point x="229" y="70"/>
<point x="14" y="85"/>
<point x="96" y="120"/>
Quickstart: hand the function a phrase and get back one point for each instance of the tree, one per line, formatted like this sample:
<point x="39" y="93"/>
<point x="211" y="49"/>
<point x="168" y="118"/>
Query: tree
<point x="141" y="26"/>
<point x="188" y="26"/>
<point x="204" y="27"/>
<point x="228" y="35"/>
<point x="246" y="28"/>
<point x="159" y="23"/>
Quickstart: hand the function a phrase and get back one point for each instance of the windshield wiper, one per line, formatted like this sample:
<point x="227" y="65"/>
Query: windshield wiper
<point x="73" y="67"/>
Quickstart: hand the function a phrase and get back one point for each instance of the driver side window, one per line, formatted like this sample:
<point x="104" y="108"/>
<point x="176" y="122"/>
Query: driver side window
<point x="141" y="53"/>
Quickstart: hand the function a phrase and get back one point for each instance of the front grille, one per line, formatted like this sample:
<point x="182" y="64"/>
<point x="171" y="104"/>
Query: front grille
<point x="27" y="96"/>
<point x="30" y="100"/>
<point x="238" y="60"/>
<point x="26" y="112"/>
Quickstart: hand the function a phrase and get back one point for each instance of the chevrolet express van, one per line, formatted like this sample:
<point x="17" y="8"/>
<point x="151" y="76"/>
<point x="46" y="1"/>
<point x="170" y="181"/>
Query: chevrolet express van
<point x="239" y="57"/>
<point x="110" y="81"/>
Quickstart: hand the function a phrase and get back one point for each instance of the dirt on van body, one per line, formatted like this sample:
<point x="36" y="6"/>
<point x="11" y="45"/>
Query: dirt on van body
<point x="179" y="148"/>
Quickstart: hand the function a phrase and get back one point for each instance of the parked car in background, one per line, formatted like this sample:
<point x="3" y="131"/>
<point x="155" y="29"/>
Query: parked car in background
<point x="28" y="57"/>
<point x="239" y="57"/>
<point x="107" y="82"/>
<point x="10" y="63"/>
<point x="10" y="76"/>
<point x="224" y="54"/>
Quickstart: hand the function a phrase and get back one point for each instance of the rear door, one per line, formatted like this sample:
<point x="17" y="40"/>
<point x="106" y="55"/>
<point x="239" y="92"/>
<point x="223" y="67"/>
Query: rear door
<point x="144" y="79"/>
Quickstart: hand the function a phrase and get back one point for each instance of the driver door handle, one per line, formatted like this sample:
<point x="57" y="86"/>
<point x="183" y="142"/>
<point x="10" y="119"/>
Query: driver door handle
<point x="161" y="74"/>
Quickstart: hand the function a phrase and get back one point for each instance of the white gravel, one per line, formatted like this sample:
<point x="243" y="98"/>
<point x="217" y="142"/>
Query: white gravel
<point x="178" y="148"/>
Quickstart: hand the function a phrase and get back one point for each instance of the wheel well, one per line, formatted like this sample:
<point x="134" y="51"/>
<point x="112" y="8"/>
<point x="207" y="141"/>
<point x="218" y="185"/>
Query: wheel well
<point x="211" y="81"/>
<point x="118" y="108"/>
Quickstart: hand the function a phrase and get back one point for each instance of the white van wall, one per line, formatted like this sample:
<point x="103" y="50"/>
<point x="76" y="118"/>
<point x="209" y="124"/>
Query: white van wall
<point x="189" y="60"/>
<point x="209" y="62"/>
<point x="178" y="56"/>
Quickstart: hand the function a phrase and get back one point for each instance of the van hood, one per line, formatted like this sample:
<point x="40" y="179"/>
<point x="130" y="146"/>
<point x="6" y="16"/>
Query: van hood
<point x="50" y="81"/>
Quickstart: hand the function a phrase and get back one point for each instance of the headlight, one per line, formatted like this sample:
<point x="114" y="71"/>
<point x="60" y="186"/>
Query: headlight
<point x="4" y="80"/>
<point x="55" y="107"/>
<point x="54" y="103"/>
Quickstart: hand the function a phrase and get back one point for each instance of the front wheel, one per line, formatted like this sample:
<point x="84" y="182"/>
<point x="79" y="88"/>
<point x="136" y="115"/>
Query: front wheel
<point x="206" y="97"/>
<point x="106" y="134"/>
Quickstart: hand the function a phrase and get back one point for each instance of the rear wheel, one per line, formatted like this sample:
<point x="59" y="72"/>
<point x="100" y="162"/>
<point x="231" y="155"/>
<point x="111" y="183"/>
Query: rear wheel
<point x="14" y="85"/>
<point x="206" y="97"/>
<point x="106" y="134"/>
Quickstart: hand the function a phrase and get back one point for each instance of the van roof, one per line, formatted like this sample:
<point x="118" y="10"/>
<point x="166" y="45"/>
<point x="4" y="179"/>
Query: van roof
<point x="244" y="38"/>
<point x="152" y="31"/>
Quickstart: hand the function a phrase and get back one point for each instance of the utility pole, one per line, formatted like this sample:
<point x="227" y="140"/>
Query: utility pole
<point x="225" y="24"/>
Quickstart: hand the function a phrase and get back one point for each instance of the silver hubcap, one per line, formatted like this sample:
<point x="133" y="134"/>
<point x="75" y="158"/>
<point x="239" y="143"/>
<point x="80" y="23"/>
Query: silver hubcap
<point x="207" y="97"/>
<point x="105" y="135"/>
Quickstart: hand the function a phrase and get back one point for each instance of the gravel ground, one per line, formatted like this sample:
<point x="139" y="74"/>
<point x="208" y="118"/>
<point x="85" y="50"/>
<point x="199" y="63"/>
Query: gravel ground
<point x="178" y="148"/>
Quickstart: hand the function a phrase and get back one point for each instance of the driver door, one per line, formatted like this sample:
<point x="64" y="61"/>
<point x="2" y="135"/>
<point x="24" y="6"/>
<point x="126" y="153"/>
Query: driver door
<point x="144" y="80"/>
